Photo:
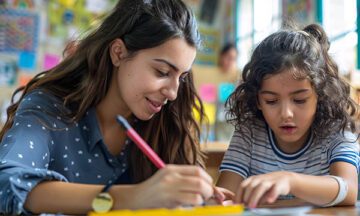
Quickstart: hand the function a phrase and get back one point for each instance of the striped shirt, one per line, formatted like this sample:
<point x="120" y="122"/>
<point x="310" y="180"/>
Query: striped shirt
<point x="257" y="153"/>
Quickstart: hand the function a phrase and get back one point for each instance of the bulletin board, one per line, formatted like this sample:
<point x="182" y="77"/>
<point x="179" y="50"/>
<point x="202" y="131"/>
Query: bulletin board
<point x="301" y="11"/>
<point x="210" y="47"/>
<point x="216" y="26"/>
<point x="18" y="30"/>
<point x="75" y="16"/>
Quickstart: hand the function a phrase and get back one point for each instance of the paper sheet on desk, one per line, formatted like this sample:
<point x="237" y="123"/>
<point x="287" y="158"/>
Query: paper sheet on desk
<point x="292" y="211"/>
<point x="196" y="211"/>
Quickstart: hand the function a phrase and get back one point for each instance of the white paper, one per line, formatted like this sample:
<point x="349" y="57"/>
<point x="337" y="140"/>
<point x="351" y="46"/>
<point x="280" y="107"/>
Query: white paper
<point x="281" y="211"/>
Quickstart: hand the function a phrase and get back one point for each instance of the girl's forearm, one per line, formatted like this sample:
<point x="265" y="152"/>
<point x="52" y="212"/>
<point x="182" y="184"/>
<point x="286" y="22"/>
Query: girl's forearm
<point x="320" y="190"/>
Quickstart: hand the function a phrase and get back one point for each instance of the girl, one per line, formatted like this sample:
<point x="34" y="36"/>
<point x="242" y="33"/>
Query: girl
<point x="61" y="143"/>
<point x="292" y="114"/>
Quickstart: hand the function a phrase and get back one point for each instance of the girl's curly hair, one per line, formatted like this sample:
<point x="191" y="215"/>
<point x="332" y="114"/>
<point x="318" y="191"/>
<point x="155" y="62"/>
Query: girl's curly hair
<point x="306" y="53"/>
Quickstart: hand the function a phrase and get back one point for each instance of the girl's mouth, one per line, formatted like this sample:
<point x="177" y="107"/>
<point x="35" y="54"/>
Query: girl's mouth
<point x="288" y="129"/>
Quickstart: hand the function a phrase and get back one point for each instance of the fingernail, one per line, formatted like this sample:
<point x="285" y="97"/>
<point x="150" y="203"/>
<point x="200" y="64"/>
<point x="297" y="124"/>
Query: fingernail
<point x="252" y="206"/>
<point x="219" y="197"/>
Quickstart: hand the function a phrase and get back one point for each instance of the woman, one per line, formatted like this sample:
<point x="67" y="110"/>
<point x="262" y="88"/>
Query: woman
<point x="61" y="143"/>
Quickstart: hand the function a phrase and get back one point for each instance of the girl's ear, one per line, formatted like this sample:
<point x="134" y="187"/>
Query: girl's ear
<point x="117" y="51"/>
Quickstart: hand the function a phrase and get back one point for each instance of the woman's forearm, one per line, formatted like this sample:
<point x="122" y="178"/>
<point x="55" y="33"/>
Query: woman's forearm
<point x="71" y="198"/>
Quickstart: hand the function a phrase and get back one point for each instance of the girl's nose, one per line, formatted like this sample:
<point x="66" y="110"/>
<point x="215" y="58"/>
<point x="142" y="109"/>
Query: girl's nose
<point x="286" y="111"/>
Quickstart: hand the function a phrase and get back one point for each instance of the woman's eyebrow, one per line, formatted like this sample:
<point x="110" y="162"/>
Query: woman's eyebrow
<point x="168" y="63"/>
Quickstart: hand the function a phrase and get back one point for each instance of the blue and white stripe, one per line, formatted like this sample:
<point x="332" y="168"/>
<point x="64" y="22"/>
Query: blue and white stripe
<point x="257" y="153"/>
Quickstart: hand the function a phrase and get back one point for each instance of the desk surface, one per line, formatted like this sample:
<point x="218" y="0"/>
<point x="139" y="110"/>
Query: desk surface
<point x="235" y="211"/>
<point x="348" y="210"/>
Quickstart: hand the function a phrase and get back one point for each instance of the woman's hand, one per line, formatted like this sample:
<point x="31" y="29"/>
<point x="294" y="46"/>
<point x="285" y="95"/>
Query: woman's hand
<point x="173" y="186"/>
<point x="263" y="188"/>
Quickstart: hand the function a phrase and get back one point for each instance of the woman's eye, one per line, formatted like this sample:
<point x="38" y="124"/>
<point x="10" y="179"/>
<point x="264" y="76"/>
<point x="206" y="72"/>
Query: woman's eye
<point x="161" y="73"/>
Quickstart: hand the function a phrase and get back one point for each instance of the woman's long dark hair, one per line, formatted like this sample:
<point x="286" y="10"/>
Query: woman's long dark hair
<point x="83" y="78"/>
<point x="306" y="53"/>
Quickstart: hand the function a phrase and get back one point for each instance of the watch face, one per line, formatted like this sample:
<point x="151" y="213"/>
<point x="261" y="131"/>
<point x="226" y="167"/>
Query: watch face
<point x="102" y="203"/>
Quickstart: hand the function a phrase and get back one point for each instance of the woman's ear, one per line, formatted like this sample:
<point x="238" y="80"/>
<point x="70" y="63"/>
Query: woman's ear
<point x="117" y="51"/>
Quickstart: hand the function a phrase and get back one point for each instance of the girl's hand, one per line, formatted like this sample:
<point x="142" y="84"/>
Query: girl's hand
<point x="224" y="194"/>
<point x="173" y="186"/>
<point x="220" y="195"/>
<point x="263" y="188"/>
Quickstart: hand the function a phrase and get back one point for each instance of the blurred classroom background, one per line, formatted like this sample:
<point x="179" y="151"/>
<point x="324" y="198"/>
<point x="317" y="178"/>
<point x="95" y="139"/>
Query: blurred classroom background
<point x="34" y="33"/>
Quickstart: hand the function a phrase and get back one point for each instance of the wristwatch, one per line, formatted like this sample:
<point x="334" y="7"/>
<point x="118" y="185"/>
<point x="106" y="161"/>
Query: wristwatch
<point x="103" y="202"/>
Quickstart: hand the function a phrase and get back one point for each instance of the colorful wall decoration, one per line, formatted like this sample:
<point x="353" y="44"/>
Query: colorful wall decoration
<point x="75" y="16"/>
<point x="301" y="11"/>
<point x="210" y="47"/>
<point x="18" y="30"/>
<point x="216" y="26"/>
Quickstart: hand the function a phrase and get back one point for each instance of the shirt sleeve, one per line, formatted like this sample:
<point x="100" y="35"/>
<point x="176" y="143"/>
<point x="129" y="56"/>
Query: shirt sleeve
<point x="24" y="158"/>
<point x="238" y="156"/>
<point x="345" y="149"/>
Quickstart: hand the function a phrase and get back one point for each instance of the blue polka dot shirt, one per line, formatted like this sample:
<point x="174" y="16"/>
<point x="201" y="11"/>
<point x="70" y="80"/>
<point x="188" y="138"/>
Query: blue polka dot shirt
<point x="42" y="146"/>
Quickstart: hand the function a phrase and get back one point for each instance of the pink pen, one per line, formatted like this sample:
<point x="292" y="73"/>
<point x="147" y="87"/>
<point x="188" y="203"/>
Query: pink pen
<point x="143" y="146"/>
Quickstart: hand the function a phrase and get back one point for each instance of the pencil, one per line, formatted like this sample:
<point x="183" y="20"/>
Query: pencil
<point x="149" y="152"/>
<point x="143" y="146"/>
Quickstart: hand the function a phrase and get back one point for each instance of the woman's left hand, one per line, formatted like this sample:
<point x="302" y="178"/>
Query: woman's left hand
<point x="264" y="188"/>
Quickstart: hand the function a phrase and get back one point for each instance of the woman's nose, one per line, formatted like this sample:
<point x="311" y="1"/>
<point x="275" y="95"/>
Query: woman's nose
<point x="171" y="90"/>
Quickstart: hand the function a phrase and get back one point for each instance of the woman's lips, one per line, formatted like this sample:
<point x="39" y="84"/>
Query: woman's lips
<point x="154" y="106"/>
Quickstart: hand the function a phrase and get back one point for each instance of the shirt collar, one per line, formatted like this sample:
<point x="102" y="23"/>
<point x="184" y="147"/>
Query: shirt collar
<point x="93" y="129"/>
<point x="284" y="155"/>
<point x="91" y="123"/>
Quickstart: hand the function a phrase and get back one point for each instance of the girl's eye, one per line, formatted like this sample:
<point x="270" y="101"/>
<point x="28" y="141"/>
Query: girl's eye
<point x="302" y="101"/>
<point x="271" y="102"/>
